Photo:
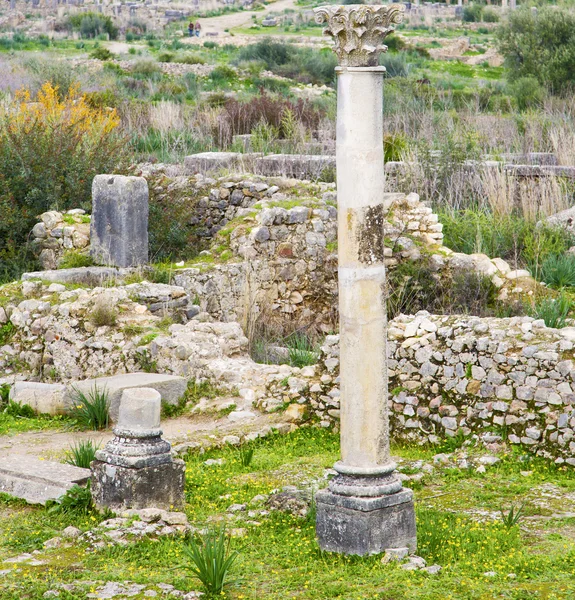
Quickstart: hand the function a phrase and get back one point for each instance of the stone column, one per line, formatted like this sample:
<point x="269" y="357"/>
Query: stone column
<point x="365" y="509"/>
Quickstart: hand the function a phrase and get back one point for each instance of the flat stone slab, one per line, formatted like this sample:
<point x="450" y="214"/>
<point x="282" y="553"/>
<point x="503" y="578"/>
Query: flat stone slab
<point x="38" y="481"/>
<point x="90" y="276"/>
<point x="44" y="398"/>
<point x="299" y="166"/>
<point x="171" y="387"/>
<point x="209" y="161"/>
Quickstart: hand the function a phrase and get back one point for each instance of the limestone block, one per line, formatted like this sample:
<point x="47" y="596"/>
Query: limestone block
<point x="171" y="388"/>
<point x="37" y="481"/>
<point x="119" y="226"/>
<point x="44" y="398"/>
<point x="90" y="276"/>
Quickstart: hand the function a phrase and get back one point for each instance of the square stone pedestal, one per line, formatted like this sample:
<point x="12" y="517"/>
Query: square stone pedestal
<point x="120" y="488"/>
<point x="354" y="525"/>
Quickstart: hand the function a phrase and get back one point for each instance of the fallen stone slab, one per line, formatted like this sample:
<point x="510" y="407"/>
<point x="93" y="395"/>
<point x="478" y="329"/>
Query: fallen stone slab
<point x="211" y="161"/>
<point x="90" y="276"/>
<point x="170" y="387"/>
<point x="540" y="171"/>
<point x="38" y="481"/>
<point x="44" y="398"/>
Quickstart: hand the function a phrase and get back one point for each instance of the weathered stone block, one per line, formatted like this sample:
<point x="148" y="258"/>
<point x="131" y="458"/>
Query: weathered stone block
<point x="119" y="227"/>
<point x="44" y="398"/>
<point x="121" y="488"/>
<point x="353" y="525"/>
<point x="37" y="481"/>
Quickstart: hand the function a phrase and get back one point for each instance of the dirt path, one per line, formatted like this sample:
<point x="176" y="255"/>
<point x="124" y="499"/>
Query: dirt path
<point x="53" y="444"/>
<point x="212" y="25"/>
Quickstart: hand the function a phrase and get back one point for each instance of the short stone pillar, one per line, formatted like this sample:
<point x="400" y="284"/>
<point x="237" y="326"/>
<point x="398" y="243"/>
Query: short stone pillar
<point x="136" y="469"/>
<point x="365" y="510"/>
<point x="119" y="227"/>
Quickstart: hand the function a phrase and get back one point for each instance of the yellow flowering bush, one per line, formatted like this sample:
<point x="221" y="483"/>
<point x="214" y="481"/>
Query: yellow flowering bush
<point x="50" y="149"/>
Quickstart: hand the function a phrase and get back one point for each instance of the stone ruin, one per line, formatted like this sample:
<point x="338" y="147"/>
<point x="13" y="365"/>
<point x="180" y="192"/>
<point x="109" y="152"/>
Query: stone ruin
<point x="136" y="469"/>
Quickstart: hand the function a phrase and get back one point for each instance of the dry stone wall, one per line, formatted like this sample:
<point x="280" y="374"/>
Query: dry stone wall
<point x="505" y="380"/>
<point x="57" y="233"/>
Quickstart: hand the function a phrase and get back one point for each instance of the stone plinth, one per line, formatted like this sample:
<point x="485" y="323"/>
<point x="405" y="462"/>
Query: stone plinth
<point x="136" y="469"/>
<point x="119" y="226"/>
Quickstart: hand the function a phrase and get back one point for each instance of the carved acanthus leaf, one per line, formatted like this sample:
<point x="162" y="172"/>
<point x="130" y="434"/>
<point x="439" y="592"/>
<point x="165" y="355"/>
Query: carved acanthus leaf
<point x="358" y="30"/>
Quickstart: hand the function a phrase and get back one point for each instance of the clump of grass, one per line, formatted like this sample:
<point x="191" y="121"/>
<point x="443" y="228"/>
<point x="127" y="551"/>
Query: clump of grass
<point x="246" y="455"/>
<point x="90" y="411"/>
<point x="302" y="352"/>
<point x="74" y="260"/>
<point x="103" y="315"/>
<point x="82" y="454"/>
<point x="558" y="271"/>
<point x="512" y="516"/>
<point x="211" y="560"/>
<point x="6" y="333"/>
<point x="553" y="311"/>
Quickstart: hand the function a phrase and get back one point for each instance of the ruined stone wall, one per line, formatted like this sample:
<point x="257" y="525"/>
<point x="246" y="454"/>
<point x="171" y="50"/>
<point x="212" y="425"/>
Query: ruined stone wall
<point x="59" y="232"/>
<point x="505" y="380"/>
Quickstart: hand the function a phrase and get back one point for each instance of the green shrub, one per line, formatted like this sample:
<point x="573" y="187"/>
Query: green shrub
<point x="82" y="454"/>
<point x="16" y="409"/>
<point x="166" y="57"/>
<point x="472" y="13"/>
<point x="101" y="53"/>
<point x="527" y="92"/>
<point x="189" y="58"/>
<point x="103" y="315"/>
<point x="222" y="75"/>
<point x="90" y="410"/>
<point x="395" y="64"/>
<point x="553" y="311"/>
<point x="50" y="151"/>
<point x="7" y="331"/>
<point x="490" y="16"/>
<point x="541" y="45"/>
<point x="92" y="25"/>
<point x="146" y="69"/>
<point x="210" y="560"/>
<point x="558" y="271"/>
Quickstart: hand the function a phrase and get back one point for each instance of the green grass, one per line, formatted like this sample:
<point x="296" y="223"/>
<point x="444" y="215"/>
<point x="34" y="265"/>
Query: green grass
<point x="279" y="558"/>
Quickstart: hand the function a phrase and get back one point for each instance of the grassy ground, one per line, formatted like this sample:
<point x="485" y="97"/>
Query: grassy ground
<point x="459" y="527"/>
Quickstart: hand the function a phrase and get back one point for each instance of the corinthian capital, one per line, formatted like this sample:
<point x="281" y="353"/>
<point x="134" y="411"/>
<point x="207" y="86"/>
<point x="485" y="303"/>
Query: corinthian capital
<point x="358" y="30"/>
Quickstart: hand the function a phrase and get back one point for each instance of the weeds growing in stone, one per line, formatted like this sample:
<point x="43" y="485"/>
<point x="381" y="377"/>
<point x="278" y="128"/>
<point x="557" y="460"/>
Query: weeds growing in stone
<point x="553" y="311"/>
<point x="82" y="454"/>
<point x="90" y="410"/>
<point x="77" y="500"/>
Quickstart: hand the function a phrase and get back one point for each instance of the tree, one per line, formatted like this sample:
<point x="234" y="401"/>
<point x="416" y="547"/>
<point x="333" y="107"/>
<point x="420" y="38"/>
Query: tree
<point x="540" y="44"/>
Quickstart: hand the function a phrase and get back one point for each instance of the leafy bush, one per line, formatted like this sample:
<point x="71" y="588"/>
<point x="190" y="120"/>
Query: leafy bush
<point x="541" y="45"/>
<point x="528" y="92"/>
<point x="101" y="53"/>
<point x="92" y="25"/>
<point x="558" y="271"/>
<point x="490" y="16"/>
<point x="211" y="560"/>
<point x="50" y="151"/>
<point x="90" y="410"/>
<point x="472" y="13"/>
<point x="82" y="454"/>
<point x="553" y="311"/>
<point x="302" y="64"/>
<point x="16" y="409"/>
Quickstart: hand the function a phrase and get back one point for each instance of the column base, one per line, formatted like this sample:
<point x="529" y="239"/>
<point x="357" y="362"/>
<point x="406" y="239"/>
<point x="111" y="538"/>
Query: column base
<point x="120" y="488"/>
<point x="365" y="525"/>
